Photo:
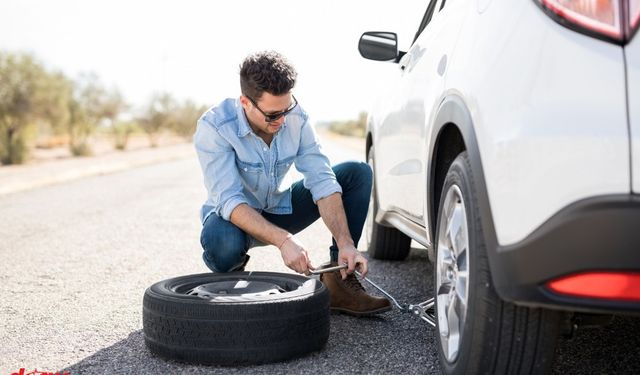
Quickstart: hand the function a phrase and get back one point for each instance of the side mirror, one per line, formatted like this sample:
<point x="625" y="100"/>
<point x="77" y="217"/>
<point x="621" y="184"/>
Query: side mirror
<point x="379" y="46"/>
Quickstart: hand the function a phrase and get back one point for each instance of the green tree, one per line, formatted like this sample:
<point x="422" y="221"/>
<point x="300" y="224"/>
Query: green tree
<point x="89" y="105"/>
<point x="186" y="116"/>
<point x="112" y="106"/>
<point x="122" y="130"/>
<point x="28" y="95"/>
<point x="57" y="92"/>
<point x="78" y="128"/>
<point x="159" y="115"/>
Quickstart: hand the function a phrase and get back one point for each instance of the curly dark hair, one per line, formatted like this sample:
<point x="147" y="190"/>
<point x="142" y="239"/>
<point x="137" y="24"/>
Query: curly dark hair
<point x="266" y="71"/>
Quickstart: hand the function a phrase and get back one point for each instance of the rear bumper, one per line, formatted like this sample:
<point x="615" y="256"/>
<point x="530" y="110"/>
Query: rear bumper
<point x="596" y="234"/>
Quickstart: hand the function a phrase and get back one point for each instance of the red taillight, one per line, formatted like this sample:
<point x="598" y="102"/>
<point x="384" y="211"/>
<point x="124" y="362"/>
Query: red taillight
<point x="623" y="286"/>
<point x="614" y="20"/>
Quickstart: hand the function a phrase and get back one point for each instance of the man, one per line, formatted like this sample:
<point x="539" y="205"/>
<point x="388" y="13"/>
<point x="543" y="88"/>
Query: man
<point x="246" y="146"/>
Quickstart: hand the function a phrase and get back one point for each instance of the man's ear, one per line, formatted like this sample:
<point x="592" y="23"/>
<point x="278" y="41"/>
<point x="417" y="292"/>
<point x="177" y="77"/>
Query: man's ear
<point x="246" y="104"/>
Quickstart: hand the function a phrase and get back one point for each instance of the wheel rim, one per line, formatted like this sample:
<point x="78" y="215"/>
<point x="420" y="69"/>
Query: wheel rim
<point x="369" y="219"/>
<point x="452" y="267"/>
<point x="241" y="288"/>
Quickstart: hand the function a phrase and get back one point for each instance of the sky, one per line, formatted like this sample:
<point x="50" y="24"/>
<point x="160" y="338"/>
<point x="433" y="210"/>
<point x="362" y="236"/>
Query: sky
<point x="193" y="48"/>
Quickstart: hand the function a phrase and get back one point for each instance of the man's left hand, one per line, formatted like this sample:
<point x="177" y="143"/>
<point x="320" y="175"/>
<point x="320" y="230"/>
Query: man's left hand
<point x="351" y="256"/>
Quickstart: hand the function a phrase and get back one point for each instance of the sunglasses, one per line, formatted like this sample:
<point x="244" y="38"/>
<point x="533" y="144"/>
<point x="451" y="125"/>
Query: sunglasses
<point x="273" y="117"/>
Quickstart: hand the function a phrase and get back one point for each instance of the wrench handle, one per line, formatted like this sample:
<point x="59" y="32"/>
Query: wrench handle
<point x="330" y="269"/>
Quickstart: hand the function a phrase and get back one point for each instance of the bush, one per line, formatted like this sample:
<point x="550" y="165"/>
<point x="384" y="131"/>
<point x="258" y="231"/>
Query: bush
<point x="27" y="95"/>
<point x="352" y="128"/>
<point x="81" y="149"/>
<point x="121" y="133"/>
<point x="13" y="148"/>
<point x="186" y="116"/>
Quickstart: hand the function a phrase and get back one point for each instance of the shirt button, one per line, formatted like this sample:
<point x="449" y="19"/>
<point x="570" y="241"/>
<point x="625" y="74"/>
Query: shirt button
<point x="245" y="169"/>
<point x="271" y="174"/>
<point x="264" y="149"/>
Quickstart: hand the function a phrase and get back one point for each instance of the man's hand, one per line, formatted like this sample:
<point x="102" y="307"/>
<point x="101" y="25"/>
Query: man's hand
<point x="295" y="256"/>
<point x="351" y="256"/>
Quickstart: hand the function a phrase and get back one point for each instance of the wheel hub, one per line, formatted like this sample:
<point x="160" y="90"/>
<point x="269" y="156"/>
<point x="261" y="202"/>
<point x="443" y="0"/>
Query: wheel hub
<point x="242" y="288"/>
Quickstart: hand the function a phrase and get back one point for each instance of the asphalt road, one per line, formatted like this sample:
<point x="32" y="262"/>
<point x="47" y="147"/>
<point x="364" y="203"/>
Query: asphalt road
<point x="77" y="257"/>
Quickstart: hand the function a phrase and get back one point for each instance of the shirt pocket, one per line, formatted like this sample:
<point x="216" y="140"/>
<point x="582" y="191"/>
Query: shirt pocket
<point x="250" y="173"/>
<point x="283" y="166"/>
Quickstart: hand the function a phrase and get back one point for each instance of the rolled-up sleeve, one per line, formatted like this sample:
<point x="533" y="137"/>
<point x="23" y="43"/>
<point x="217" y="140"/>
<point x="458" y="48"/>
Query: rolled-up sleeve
<point x="221" y="177"/>
<point x="315" y="166"/>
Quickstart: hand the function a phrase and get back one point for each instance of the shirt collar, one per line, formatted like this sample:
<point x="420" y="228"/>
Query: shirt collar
<point x="243" y="123"/>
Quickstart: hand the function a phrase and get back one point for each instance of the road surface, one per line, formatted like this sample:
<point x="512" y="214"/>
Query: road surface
<point x="77" y="257"/>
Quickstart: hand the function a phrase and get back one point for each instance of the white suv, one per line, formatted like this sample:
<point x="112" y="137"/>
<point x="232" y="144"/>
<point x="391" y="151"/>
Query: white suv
<point x="509" y="146"/>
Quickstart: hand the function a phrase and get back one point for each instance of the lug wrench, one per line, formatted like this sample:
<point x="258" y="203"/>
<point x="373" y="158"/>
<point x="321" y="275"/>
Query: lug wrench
<point x="424" y="310"/>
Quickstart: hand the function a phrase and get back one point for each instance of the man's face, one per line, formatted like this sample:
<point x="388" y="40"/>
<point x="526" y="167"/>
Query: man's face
<point x="269" y="104"/>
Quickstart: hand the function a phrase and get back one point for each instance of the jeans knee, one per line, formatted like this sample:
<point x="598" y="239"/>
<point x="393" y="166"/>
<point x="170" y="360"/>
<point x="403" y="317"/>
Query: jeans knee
<point x="354" y="175"/>
<point x="222" y="262"/>
<point x="365" y="173"/>
<point x="224" y="246"/>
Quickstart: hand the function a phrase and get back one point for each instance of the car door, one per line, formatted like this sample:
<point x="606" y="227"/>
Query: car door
<point x="632" y="54"/>
<point x="422" y="71"/>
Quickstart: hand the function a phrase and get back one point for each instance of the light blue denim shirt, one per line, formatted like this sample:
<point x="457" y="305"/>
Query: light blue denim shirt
<point x="239" y="167"/>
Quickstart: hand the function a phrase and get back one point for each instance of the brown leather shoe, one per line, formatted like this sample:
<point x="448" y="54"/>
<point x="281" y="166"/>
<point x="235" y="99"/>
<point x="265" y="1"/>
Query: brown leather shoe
<point x="349" y="297"/>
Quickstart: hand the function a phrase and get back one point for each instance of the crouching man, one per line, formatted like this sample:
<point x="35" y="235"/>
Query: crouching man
<point x="246" y="146"/>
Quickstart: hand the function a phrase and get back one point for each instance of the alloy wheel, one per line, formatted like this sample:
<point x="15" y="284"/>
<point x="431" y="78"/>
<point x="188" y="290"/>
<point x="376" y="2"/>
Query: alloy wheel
<point x="452" y="268"/>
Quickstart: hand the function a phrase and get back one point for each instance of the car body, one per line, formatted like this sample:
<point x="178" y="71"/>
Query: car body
<point x="543" y="97"/>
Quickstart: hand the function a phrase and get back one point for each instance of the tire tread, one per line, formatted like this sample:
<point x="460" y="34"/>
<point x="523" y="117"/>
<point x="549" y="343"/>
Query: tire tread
<point x="256" y="332"/>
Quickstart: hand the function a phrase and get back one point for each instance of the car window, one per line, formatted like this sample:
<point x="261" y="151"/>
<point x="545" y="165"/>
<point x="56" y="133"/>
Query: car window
<point x="433" y="5"/>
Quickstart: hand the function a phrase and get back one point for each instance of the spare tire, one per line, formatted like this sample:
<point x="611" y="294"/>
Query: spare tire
<point x="236" y="318"/>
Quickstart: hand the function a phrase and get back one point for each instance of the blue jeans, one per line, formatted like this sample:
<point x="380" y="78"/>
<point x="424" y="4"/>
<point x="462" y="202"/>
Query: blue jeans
<point x="225" y="245"/>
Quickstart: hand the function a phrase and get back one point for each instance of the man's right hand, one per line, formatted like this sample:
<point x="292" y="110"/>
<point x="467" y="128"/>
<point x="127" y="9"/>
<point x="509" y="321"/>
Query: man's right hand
<point x="295" y="256"/>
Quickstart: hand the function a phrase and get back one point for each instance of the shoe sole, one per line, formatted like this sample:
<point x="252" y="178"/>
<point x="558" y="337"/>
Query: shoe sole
<point x="360" y="313"/>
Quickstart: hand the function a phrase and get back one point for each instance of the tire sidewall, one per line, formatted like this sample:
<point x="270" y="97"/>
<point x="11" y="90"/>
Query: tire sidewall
<point x="264" y="329"/>
<point x="469" y="353"/>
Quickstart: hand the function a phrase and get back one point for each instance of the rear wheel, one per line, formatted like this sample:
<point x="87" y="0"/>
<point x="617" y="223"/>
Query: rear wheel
<point x="479" y="333"/>
<point x="386" y="243"/>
